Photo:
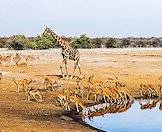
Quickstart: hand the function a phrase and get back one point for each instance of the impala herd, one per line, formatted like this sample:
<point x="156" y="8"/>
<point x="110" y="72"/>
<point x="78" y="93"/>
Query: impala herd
<point x="84" y="89"/>
<point x="15" y="59"/>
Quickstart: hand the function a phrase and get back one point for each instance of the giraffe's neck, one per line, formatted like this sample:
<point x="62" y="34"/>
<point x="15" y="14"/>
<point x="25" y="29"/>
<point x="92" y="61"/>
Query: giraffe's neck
<point x="63" y="44"/>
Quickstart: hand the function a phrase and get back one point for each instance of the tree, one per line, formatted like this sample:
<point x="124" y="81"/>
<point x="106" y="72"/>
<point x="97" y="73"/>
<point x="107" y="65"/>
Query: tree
<point x="2" y="42"/>
<point x="111" y="43"/>
<point x="155" y="42"/>
<point x="41" y="42"/>
<point x="141" y="43"/>
<point x="68" y="39"/>
<point x="82" y="42"/>
<point x="97" y="43"/>
<point x="45" y="42"/>
<point x="125" y="42"/>
<point x="16" y="42"/>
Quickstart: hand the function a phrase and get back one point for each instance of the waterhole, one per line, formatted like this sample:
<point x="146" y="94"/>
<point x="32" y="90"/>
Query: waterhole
<point x="137" y="116"/>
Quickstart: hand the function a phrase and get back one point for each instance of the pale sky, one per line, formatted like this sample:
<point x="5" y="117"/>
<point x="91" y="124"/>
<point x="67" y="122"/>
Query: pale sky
<point x="96" y="18"/>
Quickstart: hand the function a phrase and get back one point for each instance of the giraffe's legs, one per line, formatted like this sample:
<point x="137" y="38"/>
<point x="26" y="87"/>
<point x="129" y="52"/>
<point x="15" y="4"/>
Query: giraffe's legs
<point x="62" y="72"/>
<point x="76" y="64"/>
<point x="79" y="69"/>
<point x="65" y="65"/>
<point x="61" y="68"/>
<point x="67" y="75"/>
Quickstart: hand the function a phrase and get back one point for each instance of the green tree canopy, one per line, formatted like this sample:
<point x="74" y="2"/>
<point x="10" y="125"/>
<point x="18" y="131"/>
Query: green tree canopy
<point x="82" y="42"/>
<point x="42" y="42"/>
<point x="17" y="42"/>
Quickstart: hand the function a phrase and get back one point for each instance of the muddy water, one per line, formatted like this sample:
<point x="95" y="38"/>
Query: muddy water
<point x="125" y="118"/>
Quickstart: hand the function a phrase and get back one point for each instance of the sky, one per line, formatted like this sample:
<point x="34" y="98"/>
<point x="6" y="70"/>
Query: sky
<point x="96" y="18"/>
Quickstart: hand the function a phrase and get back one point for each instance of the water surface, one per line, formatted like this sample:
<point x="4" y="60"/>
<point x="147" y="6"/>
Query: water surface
<point x="133" y="119"/>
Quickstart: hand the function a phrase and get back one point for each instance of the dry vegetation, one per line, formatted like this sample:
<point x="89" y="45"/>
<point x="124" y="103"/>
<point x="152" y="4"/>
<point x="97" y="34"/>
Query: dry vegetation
<point x="34" y="95"/>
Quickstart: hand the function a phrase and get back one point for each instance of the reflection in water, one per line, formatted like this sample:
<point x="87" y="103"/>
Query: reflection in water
<point x="151" y="103"/>
<point x="160" y="107"/>
<point x="140" y="116"/>
<point x="102" y="109"/>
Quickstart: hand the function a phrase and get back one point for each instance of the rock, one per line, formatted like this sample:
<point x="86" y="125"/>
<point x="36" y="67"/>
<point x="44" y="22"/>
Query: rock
<point x="66" y="118"/>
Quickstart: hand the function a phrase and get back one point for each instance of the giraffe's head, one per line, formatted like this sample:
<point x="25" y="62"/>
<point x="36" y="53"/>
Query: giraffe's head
<point x="58" y="39"/>
<point x="50" y="32"/>
<point x="46" y="31"/>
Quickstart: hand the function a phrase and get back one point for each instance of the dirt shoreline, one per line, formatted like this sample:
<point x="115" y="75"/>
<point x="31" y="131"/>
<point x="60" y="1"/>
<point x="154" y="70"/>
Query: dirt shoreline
<point x="78" y="118"/>
<point x="131" y="66"/>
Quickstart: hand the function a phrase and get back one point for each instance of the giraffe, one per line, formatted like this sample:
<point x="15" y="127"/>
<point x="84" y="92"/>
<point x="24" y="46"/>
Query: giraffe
<point x="67" y="52"/>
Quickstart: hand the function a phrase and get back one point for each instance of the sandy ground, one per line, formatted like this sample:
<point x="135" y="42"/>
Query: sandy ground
<point x="131" y="66"/>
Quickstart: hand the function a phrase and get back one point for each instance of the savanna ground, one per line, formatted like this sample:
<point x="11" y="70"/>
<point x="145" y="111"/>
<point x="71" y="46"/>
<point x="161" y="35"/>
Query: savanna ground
<point x="131" y="66"/>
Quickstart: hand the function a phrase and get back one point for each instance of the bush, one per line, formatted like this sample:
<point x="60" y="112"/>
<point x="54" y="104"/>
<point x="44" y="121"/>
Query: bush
<point x="125" y="42"/>
<point x="42" y="42"/>
<point x="68" y="39"/>
<point x="141" y="44"/>
<point x="19" y="42"/>
<point x="2" y="43"/>
<point x="111" y="43"/>
<point x="31" y="45"/>
<point x="155" y="42"/>
<point x="16" y="42"/>
<point x="82" y="42"/>
<point x="97" y="42"/>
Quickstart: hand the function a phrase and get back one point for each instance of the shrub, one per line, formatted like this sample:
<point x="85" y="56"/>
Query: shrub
<point x="2" y="42"/>
<point x="97" y="42"/>
<point x="82" y="42"/>
<point x="141" y="44"/>
<point x="125" y="42"/>
<point x="111" y="43"/>
<point x="43" y="42"/>
<point x="31" y="45"/>
<point x="16" y="42"/>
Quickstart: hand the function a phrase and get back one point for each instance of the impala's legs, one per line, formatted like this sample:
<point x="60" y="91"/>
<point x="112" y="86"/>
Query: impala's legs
<point x="28" y="97"/>
<point x="77" y="107"/>
<point x="40" y="97"/>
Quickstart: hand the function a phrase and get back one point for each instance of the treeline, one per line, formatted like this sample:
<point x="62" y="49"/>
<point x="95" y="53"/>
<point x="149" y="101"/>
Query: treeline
<point x="127" y="42"/>
<point x="20" y="42"/>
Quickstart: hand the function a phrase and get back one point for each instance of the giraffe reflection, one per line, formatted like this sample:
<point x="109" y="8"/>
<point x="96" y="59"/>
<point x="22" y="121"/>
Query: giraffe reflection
<point x="102" y="109"/>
